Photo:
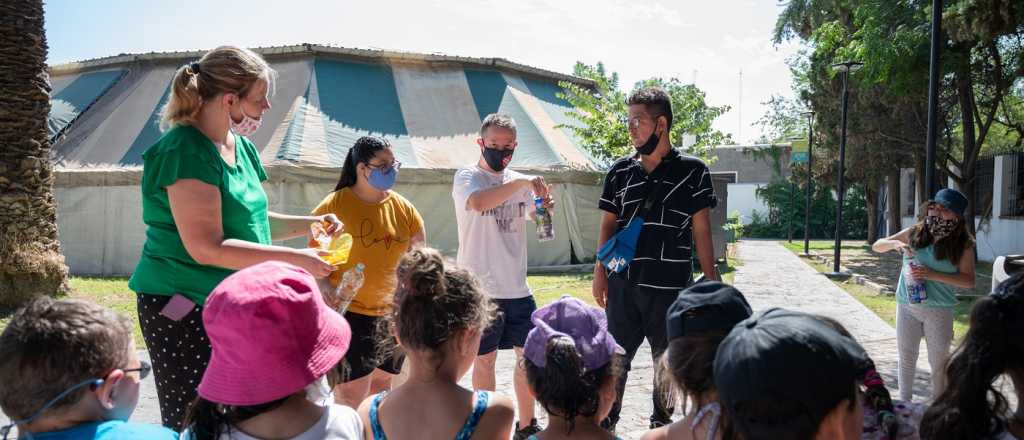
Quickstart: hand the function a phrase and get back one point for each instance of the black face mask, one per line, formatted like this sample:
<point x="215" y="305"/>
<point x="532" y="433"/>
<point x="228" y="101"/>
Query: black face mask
<point x="496" y="158"/>
<point x="652" y="142"/>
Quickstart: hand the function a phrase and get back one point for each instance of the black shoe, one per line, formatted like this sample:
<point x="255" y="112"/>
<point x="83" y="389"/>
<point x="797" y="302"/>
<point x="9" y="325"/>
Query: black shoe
<point x="659" y="423"/>
<point x="526" y="431"/>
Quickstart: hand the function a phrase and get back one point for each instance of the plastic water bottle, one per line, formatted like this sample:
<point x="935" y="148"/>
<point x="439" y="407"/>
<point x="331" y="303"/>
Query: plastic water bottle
<point x="545" y="227"/>
<point x="351" y="281"/>
<point x="916" y="290"/>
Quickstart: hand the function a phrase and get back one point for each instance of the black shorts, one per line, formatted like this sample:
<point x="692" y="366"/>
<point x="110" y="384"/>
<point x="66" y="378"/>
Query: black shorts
<point x="509" y="330"/>
<point x="364" y="354"/>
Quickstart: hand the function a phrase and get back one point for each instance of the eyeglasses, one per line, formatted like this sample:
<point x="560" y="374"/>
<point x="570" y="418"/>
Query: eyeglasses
<point x="634" y="122"/>
<point x="143" y="370"/>
<point x="387" y="169"/>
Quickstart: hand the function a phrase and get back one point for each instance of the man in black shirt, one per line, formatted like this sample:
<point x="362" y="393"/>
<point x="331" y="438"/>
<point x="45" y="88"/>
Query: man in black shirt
<point x="637" y="298"/>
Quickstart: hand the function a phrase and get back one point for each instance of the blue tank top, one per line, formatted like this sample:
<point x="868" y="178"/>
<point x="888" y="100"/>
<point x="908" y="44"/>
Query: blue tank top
<point x="939" y="294"/>
<point x="479" y="406"/>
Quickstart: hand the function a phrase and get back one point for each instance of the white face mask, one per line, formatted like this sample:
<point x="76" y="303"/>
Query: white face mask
<point x="247" y="126"/>
<point x="320" y="392"/>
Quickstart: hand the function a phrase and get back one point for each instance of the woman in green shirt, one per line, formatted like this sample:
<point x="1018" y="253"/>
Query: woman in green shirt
<point x="206" y="214"/>
<point x="938" y="253"/>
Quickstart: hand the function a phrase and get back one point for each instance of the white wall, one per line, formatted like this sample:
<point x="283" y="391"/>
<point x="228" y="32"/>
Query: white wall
<point x="1001" y="236"/>
<point x="743" y="198"/>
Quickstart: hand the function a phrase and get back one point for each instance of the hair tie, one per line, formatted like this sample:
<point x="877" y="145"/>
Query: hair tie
<point x="194" y="67"/>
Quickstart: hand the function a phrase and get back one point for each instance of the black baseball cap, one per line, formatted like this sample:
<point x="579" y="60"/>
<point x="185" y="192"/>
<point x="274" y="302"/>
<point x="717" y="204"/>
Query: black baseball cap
<point x="779" y="358"/>
<point x="706" y="306"/>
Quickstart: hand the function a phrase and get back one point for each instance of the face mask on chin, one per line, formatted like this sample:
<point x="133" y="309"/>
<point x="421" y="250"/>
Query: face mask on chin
<point x="652" y="142"/>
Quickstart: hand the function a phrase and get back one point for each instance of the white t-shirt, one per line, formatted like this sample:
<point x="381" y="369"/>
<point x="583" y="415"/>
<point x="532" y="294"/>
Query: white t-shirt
<point x="492" y="244"/>
<point x="338" y="423"/>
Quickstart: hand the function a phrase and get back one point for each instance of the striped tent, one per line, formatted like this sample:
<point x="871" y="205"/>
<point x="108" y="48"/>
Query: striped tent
<point x="105" y="114"/>
<point x="430" y="107"/>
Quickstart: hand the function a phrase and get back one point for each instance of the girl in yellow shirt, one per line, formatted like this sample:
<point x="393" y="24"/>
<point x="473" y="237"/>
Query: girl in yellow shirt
<point x="384" y="226"/>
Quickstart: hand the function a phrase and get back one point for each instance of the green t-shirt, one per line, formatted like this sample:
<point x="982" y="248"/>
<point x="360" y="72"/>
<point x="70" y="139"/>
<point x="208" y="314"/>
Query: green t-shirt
<point x="184" y="152"/>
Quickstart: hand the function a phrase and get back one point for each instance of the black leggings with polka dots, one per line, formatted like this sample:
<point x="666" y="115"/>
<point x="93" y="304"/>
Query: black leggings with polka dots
<point x="179" y="352"/>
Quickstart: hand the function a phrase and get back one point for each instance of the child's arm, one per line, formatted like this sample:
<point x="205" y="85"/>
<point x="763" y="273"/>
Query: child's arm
<point x="898" y="241"/>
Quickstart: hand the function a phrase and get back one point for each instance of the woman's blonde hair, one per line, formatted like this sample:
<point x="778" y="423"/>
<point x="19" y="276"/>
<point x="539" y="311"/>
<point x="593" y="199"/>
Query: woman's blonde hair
<point x="226" y="69"/>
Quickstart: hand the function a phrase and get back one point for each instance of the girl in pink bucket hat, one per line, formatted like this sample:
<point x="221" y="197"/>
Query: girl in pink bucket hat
<point x="439" y="315"/>
<point x="274" y="341"/>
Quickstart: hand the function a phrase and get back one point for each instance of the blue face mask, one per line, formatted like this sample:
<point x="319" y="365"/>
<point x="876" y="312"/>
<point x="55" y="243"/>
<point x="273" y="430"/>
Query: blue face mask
<point x="383" y="179"/>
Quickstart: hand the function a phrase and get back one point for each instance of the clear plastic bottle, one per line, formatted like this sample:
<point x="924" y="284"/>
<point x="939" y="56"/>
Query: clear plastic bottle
<point x="545" y="227"/>
<point x="916" y="290"/>
<point x="351" y="281"/>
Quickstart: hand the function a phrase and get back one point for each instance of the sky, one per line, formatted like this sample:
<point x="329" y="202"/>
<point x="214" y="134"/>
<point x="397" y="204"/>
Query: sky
<point x="707" y="41"/>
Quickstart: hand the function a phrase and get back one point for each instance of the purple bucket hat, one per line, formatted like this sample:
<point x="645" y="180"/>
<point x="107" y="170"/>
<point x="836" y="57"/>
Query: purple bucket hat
<point x="571" y="318"/>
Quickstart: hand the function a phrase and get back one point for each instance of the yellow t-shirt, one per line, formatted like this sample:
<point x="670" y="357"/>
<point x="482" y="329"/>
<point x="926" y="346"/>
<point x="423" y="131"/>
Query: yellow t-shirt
<point x="381" y="234"/>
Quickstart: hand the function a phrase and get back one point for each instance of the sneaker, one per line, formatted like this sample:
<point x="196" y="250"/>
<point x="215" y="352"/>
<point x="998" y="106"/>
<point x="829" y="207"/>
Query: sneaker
<point x="526" y="431"/>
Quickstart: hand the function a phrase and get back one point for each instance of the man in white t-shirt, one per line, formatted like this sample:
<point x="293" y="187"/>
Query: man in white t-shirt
<point x="491" y="206"/>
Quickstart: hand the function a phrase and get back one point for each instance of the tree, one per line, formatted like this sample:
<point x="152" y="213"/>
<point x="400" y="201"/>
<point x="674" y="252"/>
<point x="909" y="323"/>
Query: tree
<point x="31" y="263"/>
<point x="981" y="62"/>
<point x="600" y="114"/>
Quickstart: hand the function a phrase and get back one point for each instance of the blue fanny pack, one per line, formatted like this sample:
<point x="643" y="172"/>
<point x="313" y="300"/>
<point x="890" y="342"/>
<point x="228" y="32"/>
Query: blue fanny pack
<point x="619" y="250"/>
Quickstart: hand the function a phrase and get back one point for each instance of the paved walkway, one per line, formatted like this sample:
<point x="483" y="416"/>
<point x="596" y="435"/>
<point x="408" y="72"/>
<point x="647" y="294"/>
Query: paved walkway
<point x="770" y="276"/>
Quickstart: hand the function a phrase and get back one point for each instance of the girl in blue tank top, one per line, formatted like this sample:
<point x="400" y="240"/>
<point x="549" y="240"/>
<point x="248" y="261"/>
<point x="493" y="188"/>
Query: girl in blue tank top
<point x="939" y="252"/>
<point x="439" y="315"/>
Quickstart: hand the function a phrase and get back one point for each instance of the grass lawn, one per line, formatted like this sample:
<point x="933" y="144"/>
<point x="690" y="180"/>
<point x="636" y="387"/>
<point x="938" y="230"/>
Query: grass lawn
<point x="114" y="293"/>
<point x="885" y="305"/>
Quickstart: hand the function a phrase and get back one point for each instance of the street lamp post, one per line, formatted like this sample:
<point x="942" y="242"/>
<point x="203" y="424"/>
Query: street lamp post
<point x="933" y="100"/>
<point x="810" y="170"/>
<point x="844" y="68"/>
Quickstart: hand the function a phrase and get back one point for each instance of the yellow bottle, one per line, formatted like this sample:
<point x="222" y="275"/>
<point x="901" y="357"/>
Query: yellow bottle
<point x="339" y="248"/>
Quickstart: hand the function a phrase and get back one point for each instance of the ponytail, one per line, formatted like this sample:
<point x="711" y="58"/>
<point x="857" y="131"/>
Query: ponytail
<point x="225" y="69"/>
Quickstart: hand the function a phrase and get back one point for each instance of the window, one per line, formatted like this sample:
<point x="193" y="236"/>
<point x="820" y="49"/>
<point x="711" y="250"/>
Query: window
<point x="984" y="173"/>
<point x="908" y="193"/>
<point x="1013" y="185"/>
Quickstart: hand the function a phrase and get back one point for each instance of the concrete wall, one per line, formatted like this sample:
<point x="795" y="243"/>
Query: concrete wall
<point x="743" y="198"/>
<point x="748" y="168"/>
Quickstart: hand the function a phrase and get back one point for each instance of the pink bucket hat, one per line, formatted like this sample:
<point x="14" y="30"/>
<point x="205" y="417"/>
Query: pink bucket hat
<point x="272" y="335"/>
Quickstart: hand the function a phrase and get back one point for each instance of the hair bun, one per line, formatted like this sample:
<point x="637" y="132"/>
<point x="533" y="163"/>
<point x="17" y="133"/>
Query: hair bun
<point x="425" y="271"/>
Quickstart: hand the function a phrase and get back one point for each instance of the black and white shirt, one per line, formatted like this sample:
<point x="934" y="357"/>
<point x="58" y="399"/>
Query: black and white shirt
<point x="664" y="250"/>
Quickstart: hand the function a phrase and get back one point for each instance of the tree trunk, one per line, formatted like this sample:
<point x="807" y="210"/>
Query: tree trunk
<point x="31" y="264"/>
<point x="895" y="205"/>
<point x="871" y="197"/>
<point x="965" y="96"/>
